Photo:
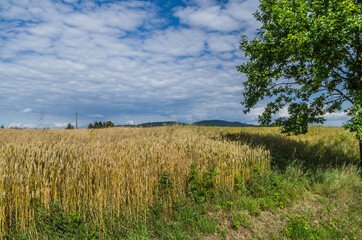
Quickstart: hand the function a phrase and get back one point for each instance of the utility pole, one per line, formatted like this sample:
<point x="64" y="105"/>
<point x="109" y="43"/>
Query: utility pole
<point x="76" y="120"/>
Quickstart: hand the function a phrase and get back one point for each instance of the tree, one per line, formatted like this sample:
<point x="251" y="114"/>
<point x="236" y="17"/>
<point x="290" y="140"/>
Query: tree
<point x="69" y="126"/>
<point x="306" y="57"/>
<point x="2" y="127"/>
<point x="90" y="126"/>
<point x="108" y="124"/>
<point x="96" y="124"/>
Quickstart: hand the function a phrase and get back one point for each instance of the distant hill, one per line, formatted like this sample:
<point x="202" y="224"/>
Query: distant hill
<point x="154" y="124"/>
<point x="216" y="123"/>
<point x="221" y="123"/>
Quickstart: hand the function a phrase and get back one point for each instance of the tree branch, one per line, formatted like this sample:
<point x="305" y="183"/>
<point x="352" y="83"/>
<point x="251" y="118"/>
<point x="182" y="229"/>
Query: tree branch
<point x="340" y="93"/>
<point x="339" y="69"/>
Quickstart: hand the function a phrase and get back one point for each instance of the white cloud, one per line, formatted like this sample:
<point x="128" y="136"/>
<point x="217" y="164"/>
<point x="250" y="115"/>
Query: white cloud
<point x="23" y="125"/>
<point x="95" y="115"/>
<point x="120" y="60"/>
<point x="283" y="112"/>
<point x="26" y="110"/>
<point x="130" y="122"/>
<point x="29" y="125"/>
<point x="15" y="125"/>
<point x="336" y="115"/>
<point x="60" y="124"/>
<point x="242" y="10"/>
<point x="234" y="15"/>
<point x="176" y="42"/>
<point x="259" y="109"/>
<point x="70" y="1"/>
<point x="222" y="43"/>
<point x="255" y="112"/>
<point x="211" y="17"/>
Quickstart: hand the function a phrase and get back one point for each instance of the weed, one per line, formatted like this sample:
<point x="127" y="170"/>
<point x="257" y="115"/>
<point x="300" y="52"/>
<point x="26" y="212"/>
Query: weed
<point x="202" y="186"/>
<point x="166" y="182"/>
<point x="239" y="184"/>
<point x="299" y="227"/>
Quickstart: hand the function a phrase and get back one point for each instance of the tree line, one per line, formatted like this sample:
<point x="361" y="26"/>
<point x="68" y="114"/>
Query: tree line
<point x="95" y="125"/>
<point x="106" y="124"/>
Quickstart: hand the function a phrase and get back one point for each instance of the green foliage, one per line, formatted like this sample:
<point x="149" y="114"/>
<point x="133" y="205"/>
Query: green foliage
<point x="54" y="219"/>
<point x="299" y="227"/>
<point x="2" y="127"/>
<point x="262" y="184"/>
<point x="69" y="126"/>
<point x="192" y="216"/>
<point x="166" y="182"/>
<point x="310" y="226"/>
<point x="196" y="184"/>
<point x="271" y="190"/>
<point x="54" y="222"/>
<point x="189" y="221"/>
<point x="355" y="123"/>
<point x="306" y="57"/>
<point x="202" y="185"/>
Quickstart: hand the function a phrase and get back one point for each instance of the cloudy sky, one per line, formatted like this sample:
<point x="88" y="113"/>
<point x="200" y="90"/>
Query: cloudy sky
<point x="125" y="61"/>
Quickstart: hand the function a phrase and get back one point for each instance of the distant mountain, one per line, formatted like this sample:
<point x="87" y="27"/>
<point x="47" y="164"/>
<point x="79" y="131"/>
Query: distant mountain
<point x="221" y="123"/>
<point x="216" y="123"/>
<point x="154" y="124"/>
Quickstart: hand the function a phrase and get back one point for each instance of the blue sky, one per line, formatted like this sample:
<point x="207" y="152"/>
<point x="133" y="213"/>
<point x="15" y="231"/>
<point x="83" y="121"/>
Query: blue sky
<point x="124" y="61"/>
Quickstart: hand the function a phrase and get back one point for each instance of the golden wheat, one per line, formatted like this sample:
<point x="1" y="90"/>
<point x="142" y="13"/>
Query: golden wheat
<point x="117" y="169"/>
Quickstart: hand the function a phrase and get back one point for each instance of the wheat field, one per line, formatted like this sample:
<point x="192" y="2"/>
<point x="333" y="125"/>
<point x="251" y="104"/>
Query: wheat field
<point x="117" y="169"/>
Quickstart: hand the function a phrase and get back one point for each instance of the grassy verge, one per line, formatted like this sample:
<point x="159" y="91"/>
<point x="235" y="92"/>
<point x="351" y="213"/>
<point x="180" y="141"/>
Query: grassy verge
<point x="275" y="205"/>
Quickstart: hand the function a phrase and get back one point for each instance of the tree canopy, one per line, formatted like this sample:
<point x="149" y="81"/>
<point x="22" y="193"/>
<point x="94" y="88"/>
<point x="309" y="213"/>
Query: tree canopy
<point x="306" y="57"/>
